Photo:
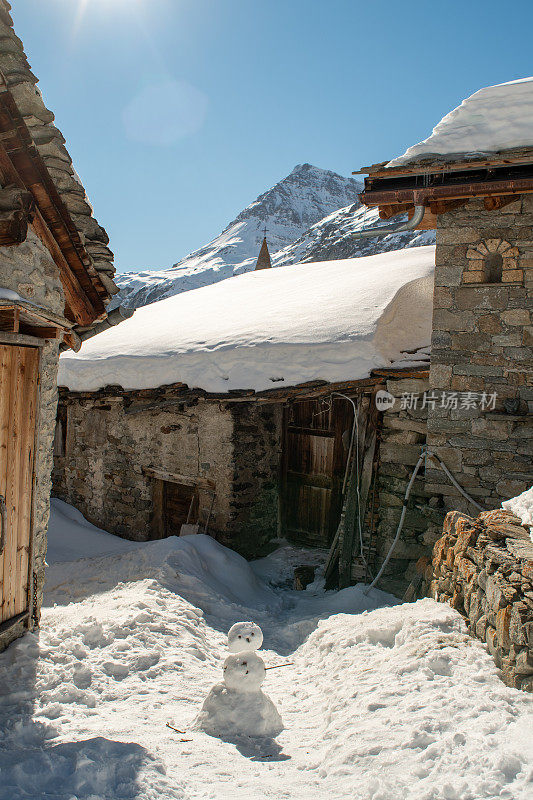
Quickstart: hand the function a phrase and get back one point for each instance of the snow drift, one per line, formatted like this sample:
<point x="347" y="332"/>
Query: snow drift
<point x="333" y="321"/>
<point x="495" y="118"/>
<point x="381" y="701"/>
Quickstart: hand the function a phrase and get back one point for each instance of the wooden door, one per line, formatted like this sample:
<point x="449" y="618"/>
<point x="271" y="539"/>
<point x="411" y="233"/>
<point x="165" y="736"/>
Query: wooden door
<point x="19" y="373"/>
<point x="315" y="448"/>
<point x="180" y="505"/>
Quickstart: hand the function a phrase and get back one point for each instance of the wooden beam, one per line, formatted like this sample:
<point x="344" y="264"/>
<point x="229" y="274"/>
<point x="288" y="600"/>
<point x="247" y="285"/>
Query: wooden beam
<point x="186" y="480"/>
<point x="386" y="212"/>
<point x="9" y="319"/>
<point x="41" y="331"/>
<point x="77" y="304"/>
<point x="464" y="191"/>
<point x="443" y="206"/>
<point x="21" y="339"/>
<point x="493" y="203"/>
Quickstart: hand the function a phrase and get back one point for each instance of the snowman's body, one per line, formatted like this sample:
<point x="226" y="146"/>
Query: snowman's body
<point x="244" y="672"/>
<point x="229" y="713"/>
<point x="238" y="707"/>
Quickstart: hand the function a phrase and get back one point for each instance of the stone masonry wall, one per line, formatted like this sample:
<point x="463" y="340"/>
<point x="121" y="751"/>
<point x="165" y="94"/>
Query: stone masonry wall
<point x="29" y="270"/>
<point x="402" y="437"/>
<point x="254" y="506"/>
<point x="484" y="569"/>
<point x="107" y="449"/>
<point x="481" y="343"/>
<point x="108" y="446"/>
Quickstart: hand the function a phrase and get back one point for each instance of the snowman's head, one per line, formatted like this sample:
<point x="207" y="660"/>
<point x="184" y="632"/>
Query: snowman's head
<point x="244" y="636"/>
<point x="244" y="672"/>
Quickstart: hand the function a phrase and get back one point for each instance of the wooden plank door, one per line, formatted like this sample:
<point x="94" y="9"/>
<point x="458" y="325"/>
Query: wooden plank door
<point x="315" y="448"/>
<point x="19" y="373"/>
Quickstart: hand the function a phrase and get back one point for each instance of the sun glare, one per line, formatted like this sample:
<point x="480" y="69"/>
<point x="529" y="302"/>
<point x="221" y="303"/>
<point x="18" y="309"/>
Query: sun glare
<point x="84" y="7"/>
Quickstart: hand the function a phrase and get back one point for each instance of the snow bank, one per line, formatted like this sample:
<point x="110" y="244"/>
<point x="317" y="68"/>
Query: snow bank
<point x="522" y="507"/>
<point x="495" y="118"/>
<point x="333" y="320"/>
<point x="396" y="702"/>
<point x="71" y="536"/>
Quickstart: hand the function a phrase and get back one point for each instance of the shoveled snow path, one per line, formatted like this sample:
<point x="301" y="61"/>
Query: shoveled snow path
<point x="389" y="704"/>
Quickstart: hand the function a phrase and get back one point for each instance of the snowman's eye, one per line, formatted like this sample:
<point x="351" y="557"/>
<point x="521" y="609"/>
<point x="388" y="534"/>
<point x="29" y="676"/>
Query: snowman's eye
<point x="245" y="663"/>
<point x="252" y="633"/>
<point x="240" y="637"/>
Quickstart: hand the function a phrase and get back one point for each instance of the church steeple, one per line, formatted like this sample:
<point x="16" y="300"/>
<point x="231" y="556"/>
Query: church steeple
<point x="263" y="259"/>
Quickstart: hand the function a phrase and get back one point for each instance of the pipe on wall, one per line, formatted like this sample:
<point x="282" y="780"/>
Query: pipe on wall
<point x="393" y="227"/>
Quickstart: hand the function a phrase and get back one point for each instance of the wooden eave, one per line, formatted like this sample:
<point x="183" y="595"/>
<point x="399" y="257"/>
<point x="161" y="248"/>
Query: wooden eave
<point x="426" y="188"/>
<point x="21" y="165"/>
<point x="22" y="319"/>
<point x="144" y="400"/>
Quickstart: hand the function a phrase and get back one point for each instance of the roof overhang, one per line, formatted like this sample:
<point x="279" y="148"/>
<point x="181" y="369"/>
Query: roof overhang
<point x="442" y="186"/>
<point x="21" y="166"/>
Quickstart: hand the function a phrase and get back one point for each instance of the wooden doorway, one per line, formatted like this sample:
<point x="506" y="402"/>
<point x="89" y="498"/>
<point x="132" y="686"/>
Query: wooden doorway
<point x="175" y="504"/>
<point x="19" y="380"/>
<point x="316" y="439"/>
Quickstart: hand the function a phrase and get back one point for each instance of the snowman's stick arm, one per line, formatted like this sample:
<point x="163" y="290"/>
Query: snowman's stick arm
<point x="277" y="666"/>
<point x="172" y="728"/>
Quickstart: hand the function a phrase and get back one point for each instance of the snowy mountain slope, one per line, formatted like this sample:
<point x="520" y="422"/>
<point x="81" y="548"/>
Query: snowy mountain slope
<point x="333" y="237"/>
<point x="287" y="210"/>
<point x="380" y="701"/>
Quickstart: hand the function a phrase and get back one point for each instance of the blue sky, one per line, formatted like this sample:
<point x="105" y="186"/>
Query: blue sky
<point x="178" y="113"/>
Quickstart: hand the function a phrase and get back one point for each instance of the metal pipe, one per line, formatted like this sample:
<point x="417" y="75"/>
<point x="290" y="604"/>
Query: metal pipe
<point x="393" y="227"/>
<point x="115" y="317"/>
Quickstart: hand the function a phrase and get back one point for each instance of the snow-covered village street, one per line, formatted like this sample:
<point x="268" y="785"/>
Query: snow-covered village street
<point x="380" y="700"/>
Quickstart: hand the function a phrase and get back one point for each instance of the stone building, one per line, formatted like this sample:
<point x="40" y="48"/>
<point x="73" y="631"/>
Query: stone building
<point x="142" y="454"/>
<point x="261" y="463"/>
<point x="55" y="280"/>
<point x="481" y="205"/>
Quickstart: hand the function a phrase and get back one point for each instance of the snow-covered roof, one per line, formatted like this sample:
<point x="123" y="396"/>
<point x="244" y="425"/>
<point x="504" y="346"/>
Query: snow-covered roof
<point x="330" y="320"/>
<point x="493" y="119"/>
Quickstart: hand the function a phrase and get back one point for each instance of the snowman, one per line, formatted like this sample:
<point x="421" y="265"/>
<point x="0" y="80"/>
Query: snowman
<point x="237" y="707"/>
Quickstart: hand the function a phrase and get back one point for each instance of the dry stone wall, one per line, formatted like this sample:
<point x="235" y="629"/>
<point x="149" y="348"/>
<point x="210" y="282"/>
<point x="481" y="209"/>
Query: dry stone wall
<point x="483" y="567"/>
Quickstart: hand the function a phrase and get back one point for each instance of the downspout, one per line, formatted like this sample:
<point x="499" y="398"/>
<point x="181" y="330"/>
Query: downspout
<point x="115" y="317"/>
<point x="393" y="227"/>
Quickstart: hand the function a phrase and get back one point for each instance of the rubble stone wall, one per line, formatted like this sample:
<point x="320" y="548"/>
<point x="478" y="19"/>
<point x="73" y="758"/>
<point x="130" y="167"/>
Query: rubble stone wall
<point x="111" y="440"/>
<point x="483" y="567"/>
<point x="481" y="343"/>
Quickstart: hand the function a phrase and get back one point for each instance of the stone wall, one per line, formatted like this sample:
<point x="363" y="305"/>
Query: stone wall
<point x="484" y="569"/>
<point x="29" y="270"/>
<point x="111" y="440"/>
<point x="255" y="501"/>
<point x="403" y="434"/>
<point x="481" y="343"/>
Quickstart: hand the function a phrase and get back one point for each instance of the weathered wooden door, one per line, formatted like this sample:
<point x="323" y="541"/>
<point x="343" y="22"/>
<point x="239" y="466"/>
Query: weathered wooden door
<point x="19" y="373"/>
<point x="315" y="448"/>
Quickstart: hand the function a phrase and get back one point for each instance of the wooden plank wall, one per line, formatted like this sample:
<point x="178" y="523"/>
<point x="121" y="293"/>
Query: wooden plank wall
<point x="19" y="370"/>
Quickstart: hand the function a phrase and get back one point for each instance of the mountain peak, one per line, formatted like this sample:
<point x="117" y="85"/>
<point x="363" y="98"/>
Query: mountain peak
<point x="288" y="209"/>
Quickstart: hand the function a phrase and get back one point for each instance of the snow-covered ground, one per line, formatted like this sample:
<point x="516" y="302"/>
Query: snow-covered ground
<point x="276" y="327"/>
<point x="381" y="701"/>
<point x="494" y="118"/>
